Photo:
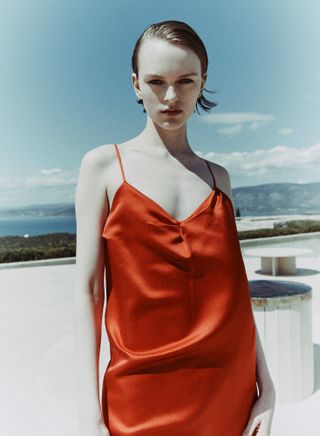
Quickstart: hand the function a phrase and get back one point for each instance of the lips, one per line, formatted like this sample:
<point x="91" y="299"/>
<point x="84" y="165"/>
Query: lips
<point x="171" y="111"/>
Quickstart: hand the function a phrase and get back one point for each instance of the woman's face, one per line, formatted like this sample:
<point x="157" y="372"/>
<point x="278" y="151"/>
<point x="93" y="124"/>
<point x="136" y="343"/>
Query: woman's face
<point x="160" y="85"/>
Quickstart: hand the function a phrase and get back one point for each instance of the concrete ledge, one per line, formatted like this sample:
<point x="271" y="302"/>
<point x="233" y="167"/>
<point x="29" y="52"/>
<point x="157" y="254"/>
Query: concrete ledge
<point x="41" y="262"/>
<point x="243" y="243"/>
<point x="37" y="359"/>
<point x="283" y="238"/>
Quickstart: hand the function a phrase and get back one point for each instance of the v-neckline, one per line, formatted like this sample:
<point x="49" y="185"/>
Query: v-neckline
<point x="160" y="208"/>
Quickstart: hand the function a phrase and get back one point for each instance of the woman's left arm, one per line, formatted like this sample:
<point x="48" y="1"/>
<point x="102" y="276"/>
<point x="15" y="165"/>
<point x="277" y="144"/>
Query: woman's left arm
<point x="259" y="423"/>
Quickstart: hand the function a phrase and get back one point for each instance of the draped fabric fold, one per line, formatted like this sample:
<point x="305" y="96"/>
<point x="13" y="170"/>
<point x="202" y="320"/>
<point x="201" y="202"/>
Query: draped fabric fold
<point x="179" y="320"/>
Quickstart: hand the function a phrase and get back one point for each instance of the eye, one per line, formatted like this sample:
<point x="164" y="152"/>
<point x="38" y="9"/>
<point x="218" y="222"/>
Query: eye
<point x="182" y="80"/>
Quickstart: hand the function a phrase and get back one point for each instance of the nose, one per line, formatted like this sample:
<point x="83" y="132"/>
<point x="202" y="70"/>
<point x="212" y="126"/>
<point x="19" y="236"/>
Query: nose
<point x="170" y="94"/>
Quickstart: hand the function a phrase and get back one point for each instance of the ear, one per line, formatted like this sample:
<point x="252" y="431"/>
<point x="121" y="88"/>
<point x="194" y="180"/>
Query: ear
<point x="135" y="83"/>
<point x="203" y="81"/>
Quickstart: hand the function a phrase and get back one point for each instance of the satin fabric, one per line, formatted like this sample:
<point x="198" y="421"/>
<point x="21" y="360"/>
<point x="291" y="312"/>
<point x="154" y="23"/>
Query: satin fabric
<point x="178" y="318"/>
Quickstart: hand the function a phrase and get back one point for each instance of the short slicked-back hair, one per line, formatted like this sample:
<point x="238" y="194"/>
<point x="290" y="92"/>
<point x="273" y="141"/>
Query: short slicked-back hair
<point x="179" y="33"/>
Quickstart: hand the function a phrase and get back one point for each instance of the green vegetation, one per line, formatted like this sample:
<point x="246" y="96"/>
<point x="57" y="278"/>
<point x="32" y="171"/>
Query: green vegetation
<point x="18" y="248"/>
<point x="55" y="245"/>
<point x="292" y="227"/>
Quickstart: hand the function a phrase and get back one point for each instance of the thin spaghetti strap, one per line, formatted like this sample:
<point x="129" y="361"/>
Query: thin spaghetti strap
<point x="120" y="162"/>
<point x="214" y="180"/>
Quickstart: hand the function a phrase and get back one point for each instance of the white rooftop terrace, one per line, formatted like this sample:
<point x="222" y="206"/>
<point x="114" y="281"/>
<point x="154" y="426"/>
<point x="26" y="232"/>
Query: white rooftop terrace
<point x="36" y="367"/>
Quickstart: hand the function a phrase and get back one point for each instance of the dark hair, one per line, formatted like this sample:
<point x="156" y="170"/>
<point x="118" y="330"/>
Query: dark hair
<point x="179" y="33"/>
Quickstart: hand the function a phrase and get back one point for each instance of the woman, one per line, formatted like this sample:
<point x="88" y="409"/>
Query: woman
<point x="185" y="355"/>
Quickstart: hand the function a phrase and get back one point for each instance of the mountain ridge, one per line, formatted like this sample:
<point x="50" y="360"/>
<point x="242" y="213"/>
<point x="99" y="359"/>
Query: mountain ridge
<point x="265" y="199"/>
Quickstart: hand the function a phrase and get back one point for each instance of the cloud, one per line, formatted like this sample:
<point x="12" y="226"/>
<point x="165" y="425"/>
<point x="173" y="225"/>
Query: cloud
<point x="234" y="121"/>
<point x="257" y="124"/>
<point x="231" y="130"/>
<point x="55" y="177"/>
<point x="236" y="117"/>
<point x="51" y="171"/>
<point x="50" y="186"/>
<point x="254" y="167"/>
<point x="276" y="164"/>
<point x="285" y="131"/>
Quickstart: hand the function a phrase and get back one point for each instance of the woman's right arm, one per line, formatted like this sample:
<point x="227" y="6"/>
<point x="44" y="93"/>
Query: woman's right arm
<point x="91" y="207"/>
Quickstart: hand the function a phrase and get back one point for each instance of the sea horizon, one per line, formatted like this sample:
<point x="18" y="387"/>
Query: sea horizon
<point x="30" y="226"/>
<point x="36" y="226"/>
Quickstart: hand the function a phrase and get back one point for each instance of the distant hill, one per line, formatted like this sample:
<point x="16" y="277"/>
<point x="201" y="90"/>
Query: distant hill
<point x="278" y="199"/>
<point x="39" y="211"/>
<point x="266" y="199"/>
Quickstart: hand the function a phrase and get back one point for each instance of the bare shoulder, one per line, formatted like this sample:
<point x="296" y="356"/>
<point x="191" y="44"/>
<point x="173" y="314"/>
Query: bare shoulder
<point x="95" y="170"/>
<point x="222" y="178"/>
<point x="99" y="156"/>
<point x="91" y="188"/>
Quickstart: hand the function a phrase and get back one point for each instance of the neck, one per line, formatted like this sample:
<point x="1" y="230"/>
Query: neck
<point x="174" y="141"/>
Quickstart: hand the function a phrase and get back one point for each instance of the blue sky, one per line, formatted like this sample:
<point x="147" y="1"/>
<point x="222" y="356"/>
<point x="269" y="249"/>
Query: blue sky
<point x="66" y="88"/>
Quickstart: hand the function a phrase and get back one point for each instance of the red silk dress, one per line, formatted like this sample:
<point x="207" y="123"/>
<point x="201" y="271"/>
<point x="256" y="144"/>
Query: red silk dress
<point x="178" y="318"/>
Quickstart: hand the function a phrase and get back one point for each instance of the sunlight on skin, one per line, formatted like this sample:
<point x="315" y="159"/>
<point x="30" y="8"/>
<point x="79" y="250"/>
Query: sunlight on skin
<point x="160" y="58"/>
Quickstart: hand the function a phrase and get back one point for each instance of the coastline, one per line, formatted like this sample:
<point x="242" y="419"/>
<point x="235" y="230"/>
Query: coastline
<point x="62" y="245"/>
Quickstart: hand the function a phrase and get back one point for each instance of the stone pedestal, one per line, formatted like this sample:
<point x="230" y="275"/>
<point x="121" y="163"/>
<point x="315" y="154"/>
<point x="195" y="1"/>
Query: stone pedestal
<point x="283" y="316"/>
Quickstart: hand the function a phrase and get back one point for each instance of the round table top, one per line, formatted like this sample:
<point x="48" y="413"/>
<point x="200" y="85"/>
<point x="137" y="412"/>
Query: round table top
<point x="276" y="288"/>
<point x="277" y="251"/>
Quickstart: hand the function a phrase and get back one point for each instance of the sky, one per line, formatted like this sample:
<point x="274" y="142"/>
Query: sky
<point x="66" y="88"/>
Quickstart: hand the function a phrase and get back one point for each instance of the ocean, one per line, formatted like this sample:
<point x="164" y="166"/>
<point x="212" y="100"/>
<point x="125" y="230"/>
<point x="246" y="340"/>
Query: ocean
<point x="45" y="225"/>
<point x="36" y="226"/>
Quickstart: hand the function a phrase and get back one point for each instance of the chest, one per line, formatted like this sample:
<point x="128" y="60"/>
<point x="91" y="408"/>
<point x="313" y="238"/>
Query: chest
<point x="178" y="188"/>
